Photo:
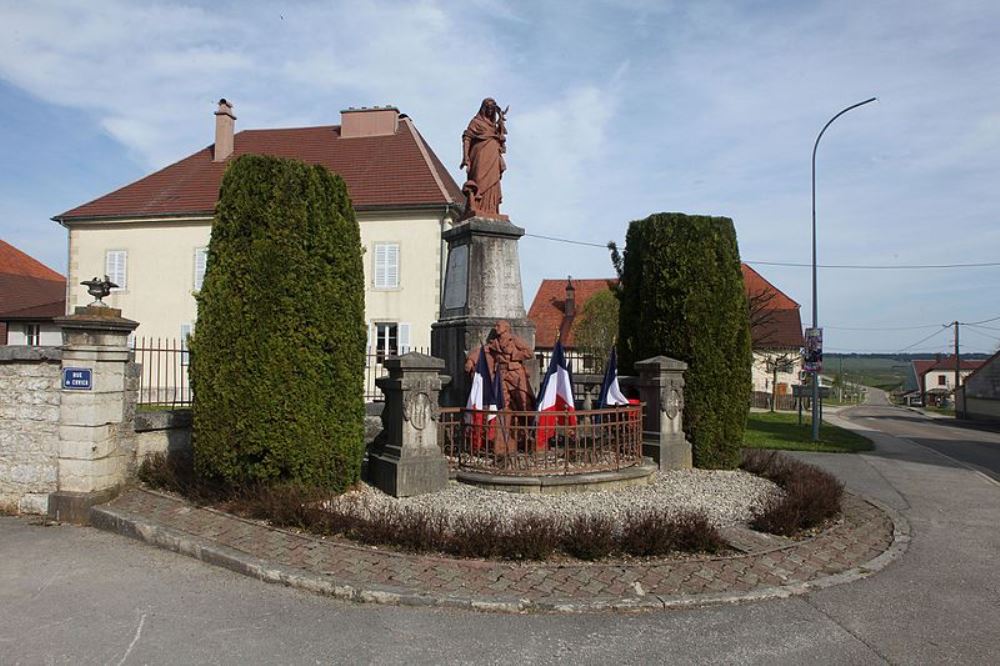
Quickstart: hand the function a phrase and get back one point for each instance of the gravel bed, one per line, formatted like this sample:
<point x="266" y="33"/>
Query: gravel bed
<point x="726" y="498"/>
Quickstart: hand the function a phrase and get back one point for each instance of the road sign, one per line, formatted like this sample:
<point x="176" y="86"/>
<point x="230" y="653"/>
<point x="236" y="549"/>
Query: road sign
<point x="78" y="379"/>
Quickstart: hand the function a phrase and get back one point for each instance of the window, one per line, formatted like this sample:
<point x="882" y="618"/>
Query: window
<point x="115" y="264"/>
<point x="391" y="339"/>
<point x="200" y="261"/>
<point x="386" y="273"/>
<point x="941" y="380"/>
<point x="32" y="334"/>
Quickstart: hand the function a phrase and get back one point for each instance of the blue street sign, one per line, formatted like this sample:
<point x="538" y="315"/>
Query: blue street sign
<point x="78" y="379"/>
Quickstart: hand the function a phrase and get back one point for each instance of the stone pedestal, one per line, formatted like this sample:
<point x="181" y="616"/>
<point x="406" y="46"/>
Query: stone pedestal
<point x="661" y="387"/>
<point x="405" y="458"/>
<point x="482" y="285"/>
<point x="97" y="403"/>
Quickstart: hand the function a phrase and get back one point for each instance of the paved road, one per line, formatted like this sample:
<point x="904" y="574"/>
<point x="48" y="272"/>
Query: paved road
<point x="70" y="594"/>
<point x="964" y="441"/>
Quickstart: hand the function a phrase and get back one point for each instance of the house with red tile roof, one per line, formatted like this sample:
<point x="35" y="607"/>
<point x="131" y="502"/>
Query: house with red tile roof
<point x="936" y="376"/>
<point x="151" y="236"/>
<point x="776" y="327"/>
<point x="31" y="295"/>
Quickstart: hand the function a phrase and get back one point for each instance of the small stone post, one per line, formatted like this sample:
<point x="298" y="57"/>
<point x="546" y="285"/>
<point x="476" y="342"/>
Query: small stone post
<point x="96" y="406"/>
<point x="405" y="458"/>
<point x="661" y="387"/>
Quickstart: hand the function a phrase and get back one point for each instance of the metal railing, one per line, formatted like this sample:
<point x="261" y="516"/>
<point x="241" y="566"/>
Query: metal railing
<point x="763" y="400"/>
<point x="374" y="369"/>
<point x="541" y="443"/>
<point x="163" y="376"/>
<point x="578" y="361"/>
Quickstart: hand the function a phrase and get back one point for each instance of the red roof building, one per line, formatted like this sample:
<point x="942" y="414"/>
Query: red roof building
<point x="936" y="376"/>
<point x="151" y="236"/>
<point x="558" y="304"/>
<point x="31" y="294"/>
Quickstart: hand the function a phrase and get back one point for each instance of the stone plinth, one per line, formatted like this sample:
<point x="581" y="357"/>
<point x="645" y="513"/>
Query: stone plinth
<point x="661" y="387"/>
<point x="405" y="458"/>
<point x="94" y="420"/>
<point x="482" y="286"/>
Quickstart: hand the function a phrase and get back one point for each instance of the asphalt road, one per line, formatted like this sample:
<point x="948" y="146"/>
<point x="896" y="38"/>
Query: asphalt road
<point x="76" y="595"/>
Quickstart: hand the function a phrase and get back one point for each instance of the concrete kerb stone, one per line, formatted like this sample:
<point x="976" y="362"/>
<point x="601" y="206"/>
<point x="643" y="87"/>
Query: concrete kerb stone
<point x="138" y="527"/>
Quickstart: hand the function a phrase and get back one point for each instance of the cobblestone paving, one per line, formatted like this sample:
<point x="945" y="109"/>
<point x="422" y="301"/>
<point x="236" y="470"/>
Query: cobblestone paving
<point x="864" y="533"/>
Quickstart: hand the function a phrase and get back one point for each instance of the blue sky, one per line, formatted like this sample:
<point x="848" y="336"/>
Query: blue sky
<point x="618" y="110"/>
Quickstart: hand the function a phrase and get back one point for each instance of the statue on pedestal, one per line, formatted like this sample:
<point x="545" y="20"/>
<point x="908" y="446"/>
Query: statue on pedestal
<point x="484" y="143"/>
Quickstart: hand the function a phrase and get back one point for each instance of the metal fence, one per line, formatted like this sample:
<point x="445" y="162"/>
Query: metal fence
<point x="578" y="361"/>
<point x="763" y="400"/>
<point x="547" y="443"/>
<point x="163" y="377"/>
<point x="374" y="369"/>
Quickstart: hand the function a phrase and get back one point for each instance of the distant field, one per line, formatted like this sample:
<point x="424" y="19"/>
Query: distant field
<point x="884" y="371"/>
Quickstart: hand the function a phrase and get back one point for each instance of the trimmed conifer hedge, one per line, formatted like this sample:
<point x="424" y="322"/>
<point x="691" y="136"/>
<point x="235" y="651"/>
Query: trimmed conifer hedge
<point x="682" y="296"/>
<point x="277" y="359"/>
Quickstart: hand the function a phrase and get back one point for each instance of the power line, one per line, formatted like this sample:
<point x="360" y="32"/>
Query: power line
<point x="885" y="328"/>
<point x="873" y="267"/>
<point x="944" y="327"/>
<point x="991" y="328"/>
<point x="791" y="264"/>
<point x="976" y="323"/>
<point x="994" y="338"/>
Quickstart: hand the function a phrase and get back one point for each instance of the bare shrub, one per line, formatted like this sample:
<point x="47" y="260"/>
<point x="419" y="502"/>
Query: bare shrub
<point x="810" y="497"/>
<point x="475" y="536"/>
<point x="589" y="537"/>
<point x="693" y="533"/>
<point x="533" y="537"/>
<point x="653" y="533"/>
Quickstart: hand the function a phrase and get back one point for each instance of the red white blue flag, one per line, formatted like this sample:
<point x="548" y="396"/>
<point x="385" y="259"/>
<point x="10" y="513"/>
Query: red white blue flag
<point x="555" y="398"/>
<point x="611" y="394"/>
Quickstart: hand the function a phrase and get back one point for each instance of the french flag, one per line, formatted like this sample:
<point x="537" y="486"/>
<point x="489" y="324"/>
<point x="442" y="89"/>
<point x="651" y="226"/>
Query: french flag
<point x="481" y="398"/>
<point x="555" y="398"/>
<point x="611" y="394"/>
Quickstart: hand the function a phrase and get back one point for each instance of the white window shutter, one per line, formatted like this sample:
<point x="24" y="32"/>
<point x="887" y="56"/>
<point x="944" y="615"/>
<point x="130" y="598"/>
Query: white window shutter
<point x="200" y="262"/>
<point x="115" y="266"/>
<point x="386" y="265"/>
<point x="404" y="338"/>
<point x="392" y="266"/>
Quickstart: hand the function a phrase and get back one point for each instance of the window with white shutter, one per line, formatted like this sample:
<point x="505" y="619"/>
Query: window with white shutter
<point x="386" y="273"/>
<point x="200" y="261"/>
<point x="404" y="338"/>
<point x="115" y="265"/>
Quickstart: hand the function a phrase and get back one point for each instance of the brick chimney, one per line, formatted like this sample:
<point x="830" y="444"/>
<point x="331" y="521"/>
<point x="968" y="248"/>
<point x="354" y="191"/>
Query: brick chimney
<point x="374" y="121"/>
<point x="225" y="123"/>
<point x="569" y="309"/>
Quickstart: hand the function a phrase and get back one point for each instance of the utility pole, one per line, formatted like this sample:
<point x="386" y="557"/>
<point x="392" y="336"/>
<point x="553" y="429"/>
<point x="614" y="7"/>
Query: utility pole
<point x="958" y="366"/>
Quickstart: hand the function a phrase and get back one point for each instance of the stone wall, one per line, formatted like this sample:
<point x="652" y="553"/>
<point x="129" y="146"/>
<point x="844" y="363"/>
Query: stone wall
<point x="29" y="426"/>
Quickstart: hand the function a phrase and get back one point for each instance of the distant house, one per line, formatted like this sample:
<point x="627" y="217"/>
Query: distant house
<point x="936" y="377"/>
<point x="979" y="398"/>
<point x="31" y="295"/>
<point x="776" y="327"/>
<point x="151" y="236"/>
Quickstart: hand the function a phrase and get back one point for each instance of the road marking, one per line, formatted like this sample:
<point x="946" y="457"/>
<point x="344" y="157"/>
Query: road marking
<point x="135" y="639"/>
<point x="969" y="466"/>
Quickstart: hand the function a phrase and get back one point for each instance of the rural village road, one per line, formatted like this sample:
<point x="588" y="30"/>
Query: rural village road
<point x="70" y="594"/>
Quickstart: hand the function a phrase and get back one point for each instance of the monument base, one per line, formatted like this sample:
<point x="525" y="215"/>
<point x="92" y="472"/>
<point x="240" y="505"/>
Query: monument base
<point x="406" y="477"/>
<point x="482" y="286"/>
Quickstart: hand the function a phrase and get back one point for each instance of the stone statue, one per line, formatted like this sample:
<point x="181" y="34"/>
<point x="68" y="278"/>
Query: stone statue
<point x="506" y="354"/>
<point x="484" y="143"/>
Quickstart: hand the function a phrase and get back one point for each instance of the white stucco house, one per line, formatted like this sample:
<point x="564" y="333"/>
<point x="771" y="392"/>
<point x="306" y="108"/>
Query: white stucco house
<point x="150" y="237"/>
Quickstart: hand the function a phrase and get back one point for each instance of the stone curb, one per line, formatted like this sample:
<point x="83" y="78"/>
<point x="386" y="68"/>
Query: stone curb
<point x="140" y="528"/>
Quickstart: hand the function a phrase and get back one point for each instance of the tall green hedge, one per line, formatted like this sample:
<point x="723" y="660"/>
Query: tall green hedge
<point x="277" y="357"/>
<point x="682" y="296"/>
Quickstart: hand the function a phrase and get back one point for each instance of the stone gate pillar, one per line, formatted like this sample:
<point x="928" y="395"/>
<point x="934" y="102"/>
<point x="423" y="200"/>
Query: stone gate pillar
<point x="97" y="404"/>
<point x="661" y="387"/>
<point x="405" y="458"/>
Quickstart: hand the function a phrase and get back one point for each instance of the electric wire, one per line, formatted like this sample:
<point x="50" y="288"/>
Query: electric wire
<point x="792" y="264"/>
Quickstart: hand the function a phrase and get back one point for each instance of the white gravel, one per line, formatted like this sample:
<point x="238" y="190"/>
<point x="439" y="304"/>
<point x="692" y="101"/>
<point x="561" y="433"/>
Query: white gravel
<point x="726" y="498"/>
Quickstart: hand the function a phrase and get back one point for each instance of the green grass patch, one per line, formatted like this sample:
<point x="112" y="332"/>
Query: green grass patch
<point x="767" y="430"/>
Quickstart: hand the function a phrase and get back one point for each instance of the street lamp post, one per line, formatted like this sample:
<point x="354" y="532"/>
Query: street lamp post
<point x="815" y="323"/>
